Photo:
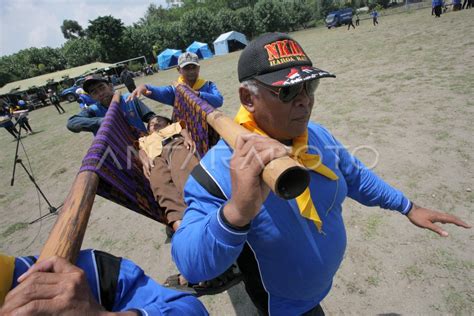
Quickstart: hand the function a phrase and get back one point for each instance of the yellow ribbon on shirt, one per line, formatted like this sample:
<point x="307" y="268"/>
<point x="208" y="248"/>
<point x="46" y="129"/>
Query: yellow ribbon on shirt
<point x="298" y="152"/>
<point x="7" y="266"/>
<point x="197" y="85"/>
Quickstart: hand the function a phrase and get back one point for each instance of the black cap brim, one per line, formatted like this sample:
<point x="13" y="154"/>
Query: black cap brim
<point x="293" y="75"/>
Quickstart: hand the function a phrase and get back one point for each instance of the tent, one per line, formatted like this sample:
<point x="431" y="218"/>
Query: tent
<point x="168" y="58"/>
<point x="200" y="49"/>
<point x="229" y="42"/>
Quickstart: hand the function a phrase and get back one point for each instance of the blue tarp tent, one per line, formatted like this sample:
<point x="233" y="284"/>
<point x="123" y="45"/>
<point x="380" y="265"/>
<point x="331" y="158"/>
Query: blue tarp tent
<point x="200" y="49"/>
<point x="168" y="58"/>
<point x="229" y="42"/>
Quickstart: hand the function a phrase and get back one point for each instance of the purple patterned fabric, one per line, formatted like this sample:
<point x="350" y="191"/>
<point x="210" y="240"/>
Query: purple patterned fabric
<point x="193" y="111"/>
<point x="113" y="155"/>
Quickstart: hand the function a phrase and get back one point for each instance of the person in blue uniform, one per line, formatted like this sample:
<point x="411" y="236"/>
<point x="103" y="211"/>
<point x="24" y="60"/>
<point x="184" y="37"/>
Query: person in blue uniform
<point x="99" y="284"/>
<point x="89" y="120"/>
<point x="188" y="68"/>
<point x="288" y="250"/>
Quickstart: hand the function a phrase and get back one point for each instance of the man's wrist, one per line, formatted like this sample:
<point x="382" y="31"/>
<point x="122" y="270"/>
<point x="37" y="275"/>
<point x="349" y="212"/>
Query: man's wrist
<point x="232" y="217"/>
<point x="410" y="208"/>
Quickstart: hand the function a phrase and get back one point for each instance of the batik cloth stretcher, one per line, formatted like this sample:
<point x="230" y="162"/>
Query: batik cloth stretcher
<point x="111" y="169"/>
<point x="113" y="156"/>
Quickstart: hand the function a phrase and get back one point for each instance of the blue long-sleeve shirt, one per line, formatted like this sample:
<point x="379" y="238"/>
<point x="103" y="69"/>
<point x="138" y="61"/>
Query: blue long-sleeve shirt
<point x="90" y="119"/>
<point x="208" y="92"/>
<point x="296" y="262"/>
<point x="134" y="290"/>
<point x="85" y="100"/>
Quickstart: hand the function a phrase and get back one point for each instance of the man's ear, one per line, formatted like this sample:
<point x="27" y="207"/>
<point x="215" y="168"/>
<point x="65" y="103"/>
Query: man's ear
<point x="246" y="99"/>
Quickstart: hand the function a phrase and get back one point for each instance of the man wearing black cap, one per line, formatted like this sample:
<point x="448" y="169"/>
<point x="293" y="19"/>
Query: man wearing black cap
<point x="188" y="68"/>
<point x="100" y="89"/>
<point x="288" y="250"/>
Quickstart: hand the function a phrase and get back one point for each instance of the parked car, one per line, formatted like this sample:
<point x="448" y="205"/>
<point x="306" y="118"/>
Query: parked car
<point x="69" y="94"/>
<point x="338" y="18"/>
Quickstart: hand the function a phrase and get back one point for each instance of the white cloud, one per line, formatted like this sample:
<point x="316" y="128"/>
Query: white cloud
<point x="30" y="23"/>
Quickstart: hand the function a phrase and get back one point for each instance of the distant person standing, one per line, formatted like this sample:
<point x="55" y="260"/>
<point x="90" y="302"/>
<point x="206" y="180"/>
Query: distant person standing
<point x="6" y="121"/>
<point x="437" y="7"/>
<point x="54" y="98"/>
<point x="21" y="118"/>
<point x="349" y="24"/>
<point x="457" y="5"/>
<point x="127" y="79"/>
<point x="467" y="4"/>
<point x="357" y="19"/>
<point x="375" y="16"/>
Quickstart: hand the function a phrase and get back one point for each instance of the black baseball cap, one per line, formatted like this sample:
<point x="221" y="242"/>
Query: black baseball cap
<point x="276" y="59"/>
<point x="90" y="80"/>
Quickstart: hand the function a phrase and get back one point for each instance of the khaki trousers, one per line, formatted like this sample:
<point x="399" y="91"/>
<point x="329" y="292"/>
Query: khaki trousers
<point x="168" y="177"/>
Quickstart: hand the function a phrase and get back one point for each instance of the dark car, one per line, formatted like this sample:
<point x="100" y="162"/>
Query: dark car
<point x="70" y="93"/>
<point x="339" y="17"/>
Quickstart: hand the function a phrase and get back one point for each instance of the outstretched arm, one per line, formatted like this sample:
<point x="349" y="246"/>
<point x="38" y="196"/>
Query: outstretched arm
<point x="426" y="218"/>
<point x="367" y="188"/>
<point x="85" y="121"/>
<point x="163" y="94"/>
<point x="138" y="92"/>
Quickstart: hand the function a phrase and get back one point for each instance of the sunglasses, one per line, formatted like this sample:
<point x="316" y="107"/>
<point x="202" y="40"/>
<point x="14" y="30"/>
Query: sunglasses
<point x="289" y="93"/>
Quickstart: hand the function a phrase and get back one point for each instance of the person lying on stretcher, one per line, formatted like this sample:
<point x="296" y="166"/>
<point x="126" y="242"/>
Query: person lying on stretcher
<point x="168" y="157"/>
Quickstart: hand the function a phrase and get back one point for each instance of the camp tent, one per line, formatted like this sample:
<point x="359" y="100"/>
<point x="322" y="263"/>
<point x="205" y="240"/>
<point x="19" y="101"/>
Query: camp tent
<point x="200" y="49"/>
<point x="229" y="42"/>
<point x="168" y="58"/>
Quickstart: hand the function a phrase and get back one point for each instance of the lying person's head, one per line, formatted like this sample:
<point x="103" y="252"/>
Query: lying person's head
<point x="158" y="122"/>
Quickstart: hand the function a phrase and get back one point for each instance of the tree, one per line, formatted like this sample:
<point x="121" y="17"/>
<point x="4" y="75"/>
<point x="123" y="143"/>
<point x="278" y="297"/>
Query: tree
<point x="159" y="14"/>
<point x="81" y="51"/>
<point x="29" y="63"/>
<point x="107" y="31"/>
<point x="300" y="14"/>
<point x="227" y="20"/>
<point x="246" y="21"/>
<point x="7" y="73"/>
<point x="197" y="25"/>
<point x="71" y="29"/>
<point x="328" y="6"/>
<point x="271" y="16"/>
<point x="139" y="40"/>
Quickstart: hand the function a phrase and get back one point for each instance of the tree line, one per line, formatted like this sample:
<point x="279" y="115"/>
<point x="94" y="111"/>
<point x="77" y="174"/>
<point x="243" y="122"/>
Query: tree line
<point x="107" y="39"/>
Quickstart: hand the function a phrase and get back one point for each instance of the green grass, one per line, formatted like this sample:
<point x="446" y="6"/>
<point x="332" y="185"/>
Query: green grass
<point x="413" y="272"/>
<point x="372" y="225"/>
<point x="458" y="303"/>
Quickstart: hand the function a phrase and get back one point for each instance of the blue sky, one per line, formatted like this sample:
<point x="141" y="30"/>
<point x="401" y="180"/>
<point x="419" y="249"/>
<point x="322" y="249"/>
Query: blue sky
<point x="36" y="23"/>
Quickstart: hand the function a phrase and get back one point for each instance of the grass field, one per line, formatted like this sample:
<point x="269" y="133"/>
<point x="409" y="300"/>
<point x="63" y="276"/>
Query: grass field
<point x="402" y="101"/>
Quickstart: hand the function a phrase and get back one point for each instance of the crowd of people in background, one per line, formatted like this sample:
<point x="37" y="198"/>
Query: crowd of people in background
<point x="17" y="112"/>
